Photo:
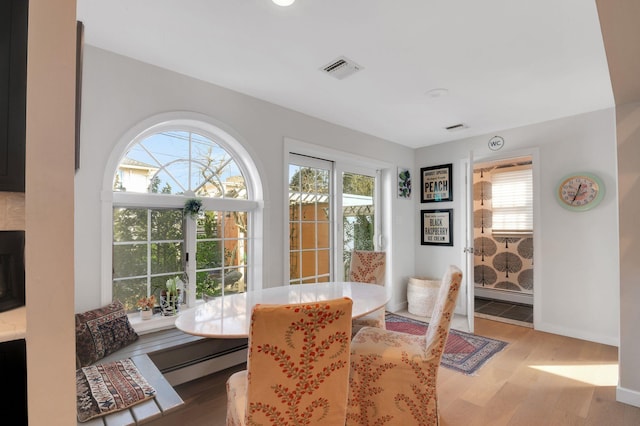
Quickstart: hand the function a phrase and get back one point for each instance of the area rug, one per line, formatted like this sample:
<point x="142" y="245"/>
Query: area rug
<point x="106" y="388"/>
<point x="463" y="352"/>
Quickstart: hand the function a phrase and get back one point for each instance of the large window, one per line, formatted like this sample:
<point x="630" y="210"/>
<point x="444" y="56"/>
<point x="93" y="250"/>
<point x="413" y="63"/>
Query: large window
<point x="324" y="228"/>
<point x="154" y="239"/>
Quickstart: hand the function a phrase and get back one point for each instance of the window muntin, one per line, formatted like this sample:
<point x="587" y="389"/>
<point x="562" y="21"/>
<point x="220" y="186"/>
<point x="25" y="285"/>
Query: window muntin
<point x="180" y="162"/>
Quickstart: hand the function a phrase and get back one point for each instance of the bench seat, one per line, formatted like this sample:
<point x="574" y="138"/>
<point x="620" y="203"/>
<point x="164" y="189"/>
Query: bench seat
<point x="167" y="358"/>
<point x="165" y="401"/>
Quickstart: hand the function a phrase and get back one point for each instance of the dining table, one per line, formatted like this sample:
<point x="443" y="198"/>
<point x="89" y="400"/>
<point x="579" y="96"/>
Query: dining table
<point x="229" y="316"/>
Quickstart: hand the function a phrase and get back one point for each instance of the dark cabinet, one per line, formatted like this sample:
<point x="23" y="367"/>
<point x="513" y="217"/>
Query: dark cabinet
<point x="13" y="93"/>
<point x="13" y="378"/>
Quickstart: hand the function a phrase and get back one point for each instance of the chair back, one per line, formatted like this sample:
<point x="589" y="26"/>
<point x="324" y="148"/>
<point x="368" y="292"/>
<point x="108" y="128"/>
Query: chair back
<point x="298" y="365"/>
<point x="368" y="267"/>
<point x="440" y="322"/>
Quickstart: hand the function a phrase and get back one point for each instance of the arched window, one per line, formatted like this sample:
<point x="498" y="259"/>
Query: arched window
<point x="183" y="211"/>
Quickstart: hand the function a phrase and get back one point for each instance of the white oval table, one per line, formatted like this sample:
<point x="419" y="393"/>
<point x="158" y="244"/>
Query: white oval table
<point x="229" y="316"/>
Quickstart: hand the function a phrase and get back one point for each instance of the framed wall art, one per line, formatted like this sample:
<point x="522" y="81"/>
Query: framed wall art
<point x="436" y="183"/>
<point x="437" y="227"/>
<point x="404" y="183"/>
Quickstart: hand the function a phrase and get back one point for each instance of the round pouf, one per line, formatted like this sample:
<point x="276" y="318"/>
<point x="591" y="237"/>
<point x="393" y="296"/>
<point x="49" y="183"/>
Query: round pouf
<point x="421" y="295"/>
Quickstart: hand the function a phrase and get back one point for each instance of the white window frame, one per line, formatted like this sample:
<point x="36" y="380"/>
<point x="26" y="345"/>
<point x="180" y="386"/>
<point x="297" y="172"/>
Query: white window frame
<point x="228" y="140"/>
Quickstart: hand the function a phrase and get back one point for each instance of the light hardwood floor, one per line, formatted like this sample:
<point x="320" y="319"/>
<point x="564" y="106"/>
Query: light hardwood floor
<point x="538" y="379"/>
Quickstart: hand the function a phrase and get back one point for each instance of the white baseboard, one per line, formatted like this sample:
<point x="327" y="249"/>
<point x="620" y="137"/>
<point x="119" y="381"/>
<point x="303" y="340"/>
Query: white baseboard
<point x="397" y="306"/>
<point x="628" y="396"/>
<point x="576" y="334"/>
<point x="205" y="368"/>
<point x="507" y="296"/>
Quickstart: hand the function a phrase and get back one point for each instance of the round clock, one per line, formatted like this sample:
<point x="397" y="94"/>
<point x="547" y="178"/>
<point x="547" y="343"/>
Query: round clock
<point x="580" y="191"/>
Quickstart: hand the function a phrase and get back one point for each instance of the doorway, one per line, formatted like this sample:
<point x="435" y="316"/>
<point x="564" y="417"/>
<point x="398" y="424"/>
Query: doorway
<point x="503" y="240"/>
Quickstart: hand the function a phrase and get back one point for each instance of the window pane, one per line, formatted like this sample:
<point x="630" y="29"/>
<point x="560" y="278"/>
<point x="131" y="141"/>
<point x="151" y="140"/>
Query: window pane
<point x="323" y="262"/>
<point x="166" y="257"/>
<point x="210" y="225"/>
<point x="129" y="260"/>
<point x="208" y="284"/>
<point x="308" y="236"/>
<point x="129" y="291"/>
<point x="309" y="208"/>
<point x="235" y="225"/>
<point x="166" y="225"/>
<point x="294" y="236"/>
<point x="208" y="255"/>
<point x="294" y="181"/>
<point x="234" y="281"/>
<point x="235" y="253"/>
<point x="322" y="181"/>
<point x="294" y="265"/>
<point x="323" y="235"/>
<point x="129" y="224"/>
<point x="158" y="284"/>
<point x="309" y="264"/>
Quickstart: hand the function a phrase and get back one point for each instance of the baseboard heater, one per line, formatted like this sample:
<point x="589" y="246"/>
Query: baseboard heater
<point x="203" y="366"/>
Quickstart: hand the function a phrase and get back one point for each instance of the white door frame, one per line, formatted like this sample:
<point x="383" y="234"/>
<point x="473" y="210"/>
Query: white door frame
<point x="537" y="231"/>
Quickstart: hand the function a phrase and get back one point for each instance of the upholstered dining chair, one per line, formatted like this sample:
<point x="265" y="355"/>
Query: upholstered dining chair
<point x="368" y="267"/>
<point x="393" y="375"/>
<point x="298" y="367"/>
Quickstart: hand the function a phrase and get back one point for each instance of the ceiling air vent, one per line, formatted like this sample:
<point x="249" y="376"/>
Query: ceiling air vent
<point x="341" y="68"/>
<point x="456" y="127"/>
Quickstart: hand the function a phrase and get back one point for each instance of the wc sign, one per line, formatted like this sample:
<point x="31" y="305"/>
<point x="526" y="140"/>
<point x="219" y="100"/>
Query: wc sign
<point x="496" y="143"/>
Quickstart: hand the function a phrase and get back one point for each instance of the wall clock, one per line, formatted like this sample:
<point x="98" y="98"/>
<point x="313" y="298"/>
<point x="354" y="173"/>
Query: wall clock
<point x="580" y="191"/>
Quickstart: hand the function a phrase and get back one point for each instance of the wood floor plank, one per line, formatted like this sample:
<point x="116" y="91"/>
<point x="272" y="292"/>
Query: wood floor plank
<point x="539" y="379"/>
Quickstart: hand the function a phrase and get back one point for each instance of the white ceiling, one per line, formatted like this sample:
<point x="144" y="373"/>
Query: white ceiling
<point x="505" y="63"/>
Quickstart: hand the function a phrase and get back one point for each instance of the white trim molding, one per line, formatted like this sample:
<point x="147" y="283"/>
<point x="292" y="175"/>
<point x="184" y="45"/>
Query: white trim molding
<point x="627" y="396"/>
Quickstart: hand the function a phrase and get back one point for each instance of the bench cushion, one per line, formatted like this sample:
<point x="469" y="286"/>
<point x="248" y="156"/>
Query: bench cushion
<point x="100" y="332"/>
<point x="109" y="387"/>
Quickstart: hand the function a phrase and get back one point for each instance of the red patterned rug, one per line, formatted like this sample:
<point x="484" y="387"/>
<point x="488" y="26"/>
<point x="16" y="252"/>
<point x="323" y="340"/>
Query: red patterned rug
<point x="463" y="352"/>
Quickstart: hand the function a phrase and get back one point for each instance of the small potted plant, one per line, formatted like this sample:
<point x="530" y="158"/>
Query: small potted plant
<point x="192" y="207"/>
<point x="170" y="298"/>
<point x="145" y="305"/>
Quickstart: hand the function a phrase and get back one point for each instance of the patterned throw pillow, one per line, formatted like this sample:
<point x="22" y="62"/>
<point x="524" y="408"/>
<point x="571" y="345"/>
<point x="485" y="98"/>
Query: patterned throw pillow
<point x="100" y="332"/>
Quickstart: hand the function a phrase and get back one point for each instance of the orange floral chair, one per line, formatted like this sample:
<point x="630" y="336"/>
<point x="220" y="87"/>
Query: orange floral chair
<point x="298" y="367"/>
<point x="393" y="375"/>
<point x="368" y="267"/>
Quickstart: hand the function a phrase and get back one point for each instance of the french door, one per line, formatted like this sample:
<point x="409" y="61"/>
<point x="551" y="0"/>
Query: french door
<point x="332" y="211"/>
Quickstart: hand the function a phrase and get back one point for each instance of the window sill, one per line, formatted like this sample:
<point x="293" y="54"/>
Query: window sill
<point x="156" y="323"/>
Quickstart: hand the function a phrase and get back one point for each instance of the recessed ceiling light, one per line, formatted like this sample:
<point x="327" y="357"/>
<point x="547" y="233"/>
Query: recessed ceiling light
<point x="437" y="93"/>
<point x="283" y="2"/>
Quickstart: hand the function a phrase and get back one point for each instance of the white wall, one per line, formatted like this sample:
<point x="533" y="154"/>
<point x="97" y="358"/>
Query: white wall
<point x="119" y="93"/>
<point x="628" y="131"/>
<point x="577" y="292"/>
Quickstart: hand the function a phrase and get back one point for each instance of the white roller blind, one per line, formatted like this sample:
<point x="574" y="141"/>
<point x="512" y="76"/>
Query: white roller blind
<point x="512" y="201"/>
